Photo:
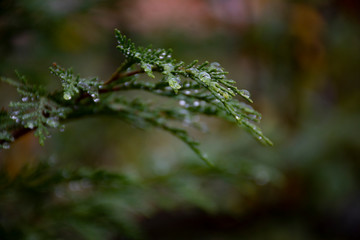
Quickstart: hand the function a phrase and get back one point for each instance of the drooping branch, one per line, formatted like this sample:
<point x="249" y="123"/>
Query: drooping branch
<point x="198" y="89"/>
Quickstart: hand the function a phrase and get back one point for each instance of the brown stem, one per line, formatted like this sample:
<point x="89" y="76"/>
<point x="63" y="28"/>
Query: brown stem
<point x="117" y="75"/>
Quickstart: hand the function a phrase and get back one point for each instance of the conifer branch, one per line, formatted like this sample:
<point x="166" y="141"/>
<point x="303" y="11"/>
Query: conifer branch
<point x="198" y="89"/>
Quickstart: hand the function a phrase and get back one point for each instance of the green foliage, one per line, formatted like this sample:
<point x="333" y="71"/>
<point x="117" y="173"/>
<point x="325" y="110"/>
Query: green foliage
<point x="197" y="88"/>
<point x="59" y="203"/>
<point x="210" y="84"/>
<point x="35" y="110"/>
<point x="73" y="85"/>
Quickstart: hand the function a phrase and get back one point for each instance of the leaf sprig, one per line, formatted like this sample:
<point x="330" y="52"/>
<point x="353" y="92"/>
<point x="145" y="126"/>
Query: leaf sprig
<point x="196" y="88"/>
<point x="211" y="77"/>
<point x="35" y="110"/>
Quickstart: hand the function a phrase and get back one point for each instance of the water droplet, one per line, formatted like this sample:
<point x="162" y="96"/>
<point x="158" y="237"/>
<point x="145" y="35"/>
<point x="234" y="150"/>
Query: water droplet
<point x="182" y="103"/>
<point x="96" y="100"/>
<point x="245" y="93"/>
<point x="168" y="56"/>
<point x="187" y="85"/>
<point x="237" y="117"/>
<point x="196" y="103"/>
<point x="30" y="125"/>
<point x="52" y="122"/>
<point x="24" y="99"/>
<point x="168" y="68"/>
<point x="252" y="116"/>
<point x="62" y="128"/>
<point x="13" y="117"/>
<point x="193" y="71"/>
<point x="161" y="57"/>
<point x="187" y="92"/>
<point x="226" y="95"/>
<point x="215" y="64"/>
<point x="6" y="145"/>
<point x="205" y="77"/>
<point x="260" y="137"/>
<point x="67" y="96"/>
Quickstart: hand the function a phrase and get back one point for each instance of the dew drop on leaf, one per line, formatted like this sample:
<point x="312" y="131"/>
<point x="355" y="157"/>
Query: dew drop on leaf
<point x="52" y="122"/>
<point x="67" y="96"/>
<point x="182" y="103"/>
<point x="30" y="125"/>
<point x="205" y="77"/>
<point x="245" y="93"/>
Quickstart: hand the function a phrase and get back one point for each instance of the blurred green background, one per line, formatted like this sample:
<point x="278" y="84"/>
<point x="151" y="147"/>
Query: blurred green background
<point x="299" y="59"/>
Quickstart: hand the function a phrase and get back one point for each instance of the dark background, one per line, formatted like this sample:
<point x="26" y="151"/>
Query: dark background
<point x="299" y="59"/>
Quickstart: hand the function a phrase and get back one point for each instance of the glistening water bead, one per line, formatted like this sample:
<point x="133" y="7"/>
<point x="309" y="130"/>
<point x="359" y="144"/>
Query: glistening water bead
<point x="67" y="96"/>
<point x="52" y="122"/>
<point x="245" y="93"/>
<point x="205" y="77"/>
<point x="182" y="103"/>
<point x="30" y="124"/>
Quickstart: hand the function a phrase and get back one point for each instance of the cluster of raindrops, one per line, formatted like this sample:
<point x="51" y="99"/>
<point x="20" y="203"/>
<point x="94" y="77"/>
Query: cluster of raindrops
<point x="91" y="87"/>
<point x="185" y="104"/>
<point x="73" y="84"/>
<point x="125" y="45"/>
<point x="38" y="113"/>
